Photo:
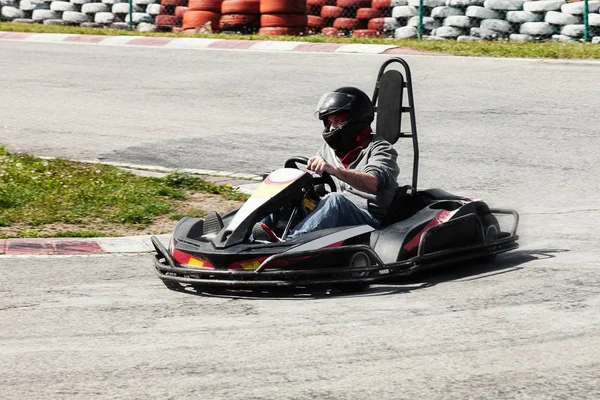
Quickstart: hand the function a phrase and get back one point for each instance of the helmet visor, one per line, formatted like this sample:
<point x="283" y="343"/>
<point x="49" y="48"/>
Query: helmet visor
<point x="333" y="102"/>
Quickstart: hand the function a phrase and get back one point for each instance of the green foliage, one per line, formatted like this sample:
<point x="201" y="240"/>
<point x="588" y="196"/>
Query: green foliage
<point x="35" y="192"/>
<point x="501" y="48"/>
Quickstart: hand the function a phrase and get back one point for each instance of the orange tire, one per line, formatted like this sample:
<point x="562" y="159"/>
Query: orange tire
<point x="368" y="13"/>
<point x="282" y="6"/>
<point x="365" y="33"/>
<point x="353" y="3"/>
<point x="344" y="23"/>
<point x="193" y="19"/>
<point x="320" y="2"/>
<point x="329" y="31"/>
<point x="376" y="24"/>
<point x="314" y="21"/>
<point x="229" y="21"/>
<point x="180" y="10"/>
<point x="167" y="20"/>
<point x="379" y="4"/>
<point x="174" y="3"/>
<point x="283" y="20"/>
<point x="281" y="31"/>
<point x="240" y="7"/>
<point x="205" y="5"/>
<point x="331" y="11"/>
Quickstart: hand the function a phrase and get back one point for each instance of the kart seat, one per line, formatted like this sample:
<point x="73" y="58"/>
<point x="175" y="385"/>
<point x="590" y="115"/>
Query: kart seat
<point x="402" y="207"/>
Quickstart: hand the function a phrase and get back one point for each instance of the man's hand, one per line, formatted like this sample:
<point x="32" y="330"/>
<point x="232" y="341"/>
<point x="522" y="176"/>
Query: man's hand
<point x="362" y="181"/>
<point x="319" y="165"/>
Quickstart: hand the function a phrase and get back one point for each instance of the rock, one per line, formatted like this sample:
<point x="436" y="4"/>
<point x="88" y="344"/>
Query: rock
<point x="543" y="5"/>
<point x="406" y="32"/>
<point x="484" y="34"/>
<point x="504" y="5"/>
<point x="389" y="24"/>
<point x="143" y="3"/>
<point x="428" y="23"/>
<point x="468" y="39"/>
<point x="445" y="12"/>
<point x="537" y="29"/>
<point x="104" y="18"/>
<point x="557" y="18"/>
<point x="9" y="12"/>
<point x="404" y="12"/>
<point x="459" y="21"/>
<point x="123" y="8"/>
<point x="30" y="5"/>
<point x="93" y="8"/>
<point x="574" y="31"/>
<point x="111" y="2"/>
<point x="465" y="3"/>
<point x="154" y="9"/>
<point x="138" y="17"/>
<point x="482" y="13"/>
<point x="145" y="27"/>
<point x="518" y="37"/>
<point x="9" y="3"/>
<point x="594" y="19"/>
<point x="40" y="15"/>
<point x="23" y="21"/>
<point x="519" y="17"/>
<point x="80" y="2"/>
<point x="448" y="32"/>
<point x="62" y="6"/>
<point x="434" y="38"/>
<point x="562" y="38"/>
<point x="90" y="25"/>
<point x="496" y="25"/>
<point x="427" y="3"/>
<point x="59" y="22"/>
<point x="596" y="40"/>
<point x="577" y="8"/>
<point x="120" y="25"/>
<point x="75" y="16"/>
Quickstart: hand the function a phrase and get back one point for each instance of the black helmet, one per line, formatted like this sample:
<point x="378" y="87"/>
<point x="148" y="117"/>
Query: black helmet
<point x="361" y="114"/>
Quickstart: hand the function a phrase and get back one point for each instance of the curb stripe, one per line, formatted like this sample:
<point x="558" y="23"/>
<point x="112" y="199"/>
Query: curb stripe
<point x="204" y="43"/>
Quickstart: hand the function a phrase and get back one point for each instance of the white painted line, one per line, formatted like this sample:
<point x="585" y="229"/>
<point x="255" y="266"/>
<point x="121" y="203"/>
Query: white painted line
<point x="274" y="46"/>
<point x="190" y="43"/>
<point x="364" y="48"/>
<point x="48" y="37"/>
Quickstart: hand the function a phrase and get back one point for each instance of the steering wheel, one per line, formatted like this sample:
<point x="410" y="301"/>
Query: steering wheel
<point x="324" y="179"/>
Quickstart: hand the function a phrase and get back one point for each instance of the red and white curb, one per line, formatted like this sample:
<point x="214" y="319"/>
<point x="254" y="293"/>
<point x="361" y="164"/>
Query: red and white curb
<point x="70" y="247"/>
<point x="204" y="43"/>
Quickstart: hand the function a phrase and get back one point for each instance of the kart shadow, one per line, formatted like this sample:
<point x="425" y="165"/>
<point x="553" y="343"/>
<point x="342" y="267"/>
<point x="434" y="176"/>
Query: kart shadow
<point x="509" y="262"/>
<point x="506" y="263"/>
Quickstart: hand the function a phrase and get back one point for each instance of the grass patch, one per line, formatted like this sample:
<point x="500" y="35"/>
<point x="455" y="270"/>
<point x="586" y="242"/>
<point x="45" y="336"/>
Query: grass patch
<point x="35" y="193"/>
<point x="501" y="48"/>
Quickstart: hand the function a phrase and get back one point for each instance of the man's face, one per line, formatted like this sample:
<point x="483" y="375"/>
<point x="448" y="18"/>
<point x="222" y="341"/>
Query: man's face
<point x="336" y="120"/>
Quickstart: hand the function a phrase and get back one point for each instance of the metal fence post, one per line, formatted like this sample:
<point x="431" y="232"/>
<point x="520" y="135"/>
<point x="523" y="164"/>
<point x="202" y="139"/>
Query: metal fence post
<point x="129" y="25"/>
<point x="586" y="23"/>
<point x="420" y="26"/>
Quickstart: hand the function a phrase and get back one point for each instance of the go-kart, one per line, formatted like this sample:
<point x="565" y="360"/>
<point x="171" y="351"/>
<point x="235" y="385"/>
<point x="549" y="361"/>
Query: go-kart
<point x="423" y="229"/>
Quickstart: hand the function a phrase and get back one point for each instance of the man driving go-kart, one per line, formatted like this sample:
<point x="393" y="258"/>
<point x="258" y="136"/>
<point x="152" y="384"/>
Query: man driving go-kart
<point x="363" y="166"/>
<point x="344" y="222"/>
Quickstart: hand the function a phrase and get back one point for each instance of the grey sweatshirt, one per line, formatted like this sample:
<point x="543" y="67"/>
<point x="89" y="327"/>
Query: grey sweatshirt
<point x="378" y="159"/>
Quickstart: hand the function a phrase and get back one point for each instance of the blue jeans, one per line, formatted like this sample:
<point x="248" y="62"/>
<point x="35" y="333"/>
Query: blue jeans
<point x="333" y="210"/>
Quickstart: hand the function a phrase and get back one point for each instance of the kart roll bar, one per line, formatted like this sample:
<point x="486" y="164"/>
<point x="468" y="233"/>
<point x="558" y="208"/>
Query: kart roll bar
<point x="387" y="101"/>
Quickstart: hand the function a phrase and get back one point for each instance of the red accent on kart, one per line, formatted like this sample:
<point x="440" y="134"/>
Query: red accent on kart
<point x="337" y="244"/>
<point x="186" y="259"/>
<point x="439" y="219"/>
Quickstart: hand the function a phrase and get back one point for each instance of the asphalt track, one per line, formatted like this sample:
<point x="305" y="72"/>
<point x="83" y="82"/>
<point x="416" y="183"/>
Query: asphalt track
<point x="521" y="134"/>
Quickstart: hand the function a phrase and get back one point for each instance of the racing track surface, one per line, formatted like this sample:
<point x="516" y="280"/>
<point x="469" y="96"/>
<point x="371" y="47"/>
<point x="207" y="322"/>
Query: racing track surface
<point x="520" y="134"/>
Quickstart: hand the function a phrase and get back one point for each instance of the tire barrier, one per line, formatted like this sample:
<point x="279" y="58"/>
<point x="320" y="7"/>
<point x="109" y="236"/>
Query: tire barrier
<point x="463" y="20"/>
